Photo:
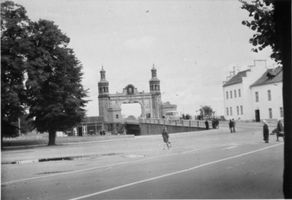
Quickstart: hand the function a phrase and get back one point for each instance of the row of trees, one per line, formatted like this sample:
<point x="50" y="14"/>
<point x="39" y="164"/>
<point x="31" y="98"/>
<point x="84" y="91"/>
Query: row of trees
<point x="40" y="74"/>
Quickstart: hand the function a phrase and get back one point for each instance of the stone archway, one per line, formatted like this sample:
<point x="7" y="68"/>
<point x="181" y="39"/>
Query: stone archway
<point x="131" y="110"/>
<point x="110" y="104"/>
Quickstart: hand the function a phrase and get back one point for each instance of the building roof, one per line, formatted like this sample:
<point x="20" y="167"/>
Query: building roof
<point x="236" y="79"/>
<point x="270" y="76"/>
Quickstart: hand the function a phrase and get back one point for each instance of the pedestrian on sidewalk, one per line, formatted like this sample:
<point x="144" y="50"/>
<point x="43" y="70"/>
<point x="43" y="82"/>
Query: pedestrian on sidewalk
<point x="266" y="131"/>
<point x="230" y="126"/>
<point x="280" y="130"/>
<point x="233" y="126"/>
<point x="165" y="137"/>
<point x="207" y="124"/>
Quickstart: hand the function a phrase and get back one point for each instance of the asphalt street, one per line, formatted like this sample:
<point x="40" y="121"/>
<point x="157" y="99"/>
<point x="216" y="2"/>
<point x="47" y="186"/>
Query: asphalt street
<point x="206" y="164"/>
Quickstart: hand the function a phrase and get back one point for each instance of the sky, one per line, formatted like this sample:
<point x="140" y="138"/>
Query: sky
<point x="192" y="43"/>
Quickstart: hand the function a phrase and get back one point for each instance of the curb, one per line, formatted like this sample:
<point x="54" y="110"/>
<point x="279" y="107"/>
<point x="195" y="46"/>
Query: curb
<point x="73" y="157"/>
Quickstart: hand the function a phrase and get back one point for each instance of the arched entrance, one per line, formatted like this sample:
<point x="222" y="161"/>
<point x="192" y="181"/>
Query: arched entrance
<point x="131" y="110"/>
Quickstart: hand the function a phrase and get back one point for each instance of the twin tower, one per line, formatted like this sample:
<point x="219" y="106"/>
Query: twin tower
<point x="110" y="104"/>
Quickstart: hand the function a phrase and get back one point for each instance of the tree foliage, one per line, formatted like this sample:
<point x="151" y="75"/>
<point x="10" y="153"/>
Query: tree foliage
<point x="14" y="45"/>
<point x="40" y="73"/>
<point x="55" y="93"/>
<point x="263" y="23"/>
<point x="206" y="111"/>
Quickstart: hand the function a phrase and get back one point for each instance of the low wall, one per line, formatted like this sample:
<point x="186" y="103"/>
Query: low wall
<point x="150" y="129"/>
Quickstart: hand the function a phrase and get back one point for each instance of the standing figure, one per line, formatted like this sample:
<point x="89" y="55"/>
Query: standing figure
<point x="165" y="137"/>
<point x="266" y="131"/>
<point x="233" y="125"/>
<point x="207" y="124"/>
<point x="230" y="126"/>
<point x="280" y="129"/>
<point x="214" y="123"/>
<point x="217" y="123"/>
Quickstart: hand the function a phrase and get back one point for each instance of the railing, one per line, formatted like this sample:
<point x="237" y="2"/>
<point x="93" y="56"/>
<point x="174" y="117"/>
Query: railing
<point x="176" y="122"/>
<point x="131" y="121"/>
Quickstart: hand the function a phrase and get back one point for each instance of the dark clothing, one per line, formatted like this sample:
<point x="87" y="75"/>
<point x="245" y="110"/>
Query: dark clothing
<point x="165" y="137"/>
<point x="280" y="130"/>
<point x="217" y="123"/>
<point x="233" y="126"/>
<point x="266" y="133"/>
<point x="207" y="124"/>
<point x="230" y="125"/>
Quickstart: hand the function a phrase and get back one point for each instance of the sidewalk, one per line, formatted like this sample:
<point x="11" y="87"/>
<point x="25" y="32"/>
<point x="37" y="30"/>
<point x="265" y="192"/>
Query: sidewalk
<point x="115" y="145"/>
<point x="64" y="149"/>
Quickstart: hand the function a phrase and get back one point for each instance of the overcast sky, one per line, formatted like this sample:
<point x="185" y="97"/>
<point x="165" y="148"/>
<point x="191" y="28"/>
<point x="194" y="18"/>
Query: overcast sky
<point x="193" y="44"/>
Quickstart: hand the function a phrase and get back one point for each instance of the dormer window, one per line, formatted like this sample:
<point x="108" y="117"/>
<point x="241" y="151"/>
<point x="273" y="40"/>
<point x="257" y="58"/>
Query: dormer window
<point x="270" y="75"/>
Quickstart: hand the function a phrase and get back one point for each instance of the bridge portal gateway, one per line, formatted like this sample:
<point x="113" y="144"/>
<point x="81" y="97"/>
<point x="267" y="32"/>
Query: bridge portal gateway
<point x="110" y="104"/>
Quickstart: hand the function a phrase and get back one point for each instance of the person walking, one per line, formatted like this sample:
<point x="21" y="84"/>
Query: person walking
<point x="233" y="126"/>
<point x="266" y="131"/>
<point x="230" y="126"/>
<point x="280" y="129"/>
<point x="165" y="137"/>
<point x="207" y="124"/>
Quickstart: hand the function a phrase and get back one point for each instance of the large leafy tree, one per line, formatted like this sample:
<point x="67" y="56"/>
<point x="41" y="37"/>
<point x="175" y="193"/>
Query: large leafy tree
<point x="54" y="90"/>
<point x="271" y="21"/>
<point x="14" y="46"/>
<point x="39" y="72"/>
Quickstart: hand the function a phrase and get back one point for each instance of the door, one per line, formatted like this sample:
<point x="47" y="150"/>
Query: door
<point x="257" y="116"/>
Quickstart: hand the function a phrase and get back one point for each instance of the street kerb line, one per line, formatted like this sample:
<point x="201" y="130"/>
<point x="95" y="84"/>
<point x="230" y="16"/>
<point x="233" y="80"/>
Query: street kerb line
<point x="173" y="173"/>
<point x="89" y="169"/>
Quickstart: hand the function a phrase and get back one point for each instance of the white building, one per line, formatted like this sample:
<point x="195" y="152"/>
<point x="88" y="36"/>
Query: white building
<point x="267" y="100"/>
<point x="239" y="93"/>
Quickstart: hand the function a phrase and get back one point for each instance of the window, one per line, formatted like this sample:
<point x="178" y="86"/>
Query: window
<point x="226" y="94"/>
<point x="241" y="110"/>
<point x="257" y="96"/>
<point x="281" y="112"/>
<point x="239" y="93"/>
<point x="235" y="94"/>
<point x="117" y="116"/>
<point x="237" y="110"/>
<point x="227" y="111"/>
<point x="270" y="113"/>
<point x="230" y="94"/>
<point x="269" y="95"/>
<point x="230" y="111"/>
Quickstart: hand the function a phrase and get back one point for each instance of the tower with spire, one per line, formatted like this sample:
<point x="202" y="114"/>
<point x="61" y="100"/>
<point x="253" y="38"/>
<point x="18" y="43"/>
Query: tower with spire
<point x="103" y="94"/>
<point x="154" y="84"/>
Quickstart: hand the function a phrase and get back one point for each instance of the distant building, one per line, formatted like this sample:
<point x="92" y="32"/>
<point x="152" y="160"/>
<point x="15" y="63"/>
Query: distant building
<point x="266" y="92"/>
<point x="243" y="90"/>
<point x="167" y="108"/>
<point x="88" y="126"/>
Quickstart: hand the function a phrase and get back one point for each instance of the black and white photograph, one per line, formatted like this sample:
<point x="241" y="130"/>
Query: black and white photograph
<point x="146" y="99"/>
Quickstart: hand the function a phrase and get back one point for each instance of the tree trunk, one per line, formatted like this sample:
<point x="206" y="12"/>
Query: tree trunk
<point x="283" y="29"/>
<point x="52" y="137"/>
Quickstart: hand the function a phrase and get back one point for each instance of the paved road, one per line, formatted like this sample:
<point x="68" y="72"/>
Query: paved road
<point x="207" y="164"/>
